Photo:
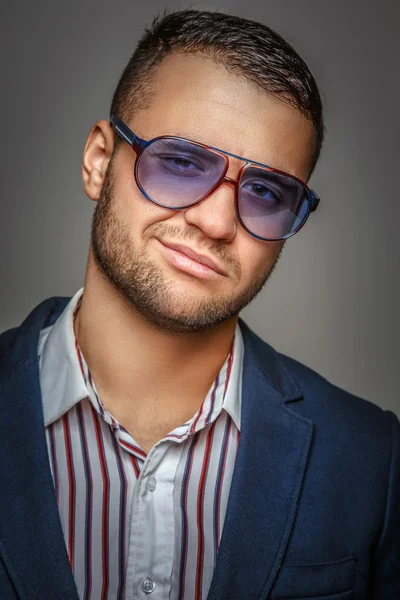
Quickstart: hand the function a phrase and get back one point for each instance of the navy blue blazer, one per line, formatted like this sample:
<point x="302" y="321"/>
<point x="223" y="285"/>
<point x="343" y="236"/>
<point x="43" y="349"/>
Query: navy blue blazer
<point x="314" y="504"/>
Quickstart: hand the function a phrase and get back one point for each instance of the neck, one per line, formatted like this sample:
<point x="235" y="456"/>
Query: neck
<point x="138" y="367"/>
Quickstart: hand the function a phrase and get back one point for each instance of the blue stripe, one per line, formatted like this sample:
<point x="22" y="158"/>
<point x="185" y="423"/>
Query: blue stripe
<point x="99" y="404"/>
<point x="122" y="519"/>
<point x="53" y="459"/>
<point x="185" y="484"/>
<point x="212" y="401"/>
<point x="218" y="486"/>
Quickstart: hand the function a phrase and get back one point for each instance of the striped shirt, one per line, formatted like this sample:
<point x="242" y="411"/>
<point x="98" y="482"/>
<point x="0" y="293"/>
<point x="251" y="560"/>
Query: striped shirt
<point x="136" y="526"/>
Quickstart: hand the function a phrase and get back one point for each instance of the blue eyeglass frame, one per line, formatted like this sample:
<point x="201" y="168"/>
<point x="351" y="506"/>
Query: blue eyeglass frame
<point x="138" y="145"/>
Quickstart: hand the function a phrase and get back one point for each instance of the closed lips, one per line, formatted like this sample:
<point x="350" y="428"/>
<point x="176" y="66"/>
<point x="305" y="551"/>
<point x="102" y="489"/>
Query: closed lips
<point x="200" y="258"/>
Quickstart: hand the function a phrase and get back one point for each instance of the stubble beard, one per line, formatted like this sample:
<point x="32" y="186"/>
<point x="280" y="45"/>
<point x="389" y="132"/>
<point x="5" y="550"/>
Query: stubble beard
<point x="142" y="283"/>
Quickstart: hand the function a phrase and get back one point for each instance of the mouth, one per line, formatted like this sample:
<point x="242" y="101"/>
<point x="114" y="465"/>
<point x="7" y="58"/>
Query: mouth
<point x="188" y="260"/>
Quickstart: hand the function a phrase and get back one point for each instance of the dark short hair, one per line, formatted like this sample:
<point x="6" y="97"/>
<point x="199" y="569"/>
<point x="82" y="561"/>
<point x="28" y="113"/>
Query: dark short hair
<point x="243" y="47"/>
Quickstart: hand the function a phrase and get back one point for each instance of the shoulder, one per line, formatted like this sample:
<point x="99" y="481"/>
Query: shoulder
<point x="7" y="339"/>
<point x="351" y="435"/>
<point x="18" y="345"/>
<point x="324" y="398"/>
<point x="328" y="405"/>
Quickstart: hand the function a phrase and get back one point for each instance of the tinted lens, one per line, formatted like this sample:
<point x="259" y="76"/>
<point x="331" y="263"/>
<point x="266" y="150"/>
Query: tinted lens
<point x="271" y="205"/>
<point x="176" y="173"/>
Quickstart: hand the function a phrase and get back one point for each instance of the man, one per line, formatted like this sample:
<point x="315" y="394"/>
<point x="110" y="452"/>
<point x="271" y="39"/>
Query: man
<point x="151" y="444"/>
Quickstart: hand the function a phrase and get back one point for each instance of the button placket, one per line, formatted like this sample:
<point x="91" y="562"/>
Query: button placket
<point x="148" y="586"/>
<point x="151" y="484"/>
<point x="151" y="541"/>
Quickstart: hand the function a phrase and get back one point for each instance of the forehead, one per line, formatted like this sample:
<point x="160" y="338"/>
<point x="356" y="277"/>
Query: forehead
<point x="192" y="96"/>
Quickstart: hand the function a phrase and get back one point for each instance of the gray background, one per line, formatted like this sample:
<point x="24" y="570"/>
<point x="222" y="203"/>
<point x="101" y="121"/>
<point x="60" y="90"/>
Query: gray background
<point x="333" y="301"/>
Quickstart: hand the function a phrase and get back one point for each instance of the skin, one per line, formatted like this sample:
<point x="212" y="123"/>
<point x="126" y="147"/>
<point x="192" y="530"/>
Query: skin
<point x="140" y="314"/>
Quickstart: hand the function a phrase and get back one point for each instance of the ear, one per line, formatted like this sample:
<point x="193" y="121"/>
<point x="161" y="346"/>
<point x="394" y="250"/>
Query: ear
<point x="96" y="157"/>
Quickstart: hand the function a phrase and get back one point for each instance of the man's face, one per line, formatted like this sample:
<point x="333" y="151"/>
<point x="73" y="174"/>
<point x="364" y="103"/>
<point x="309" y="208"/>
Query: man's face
<point x="132" y="237"/>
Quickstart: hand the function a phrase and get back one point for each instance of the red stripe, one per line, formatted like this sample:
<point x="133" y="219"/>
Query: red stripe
<point x="184" y="509"/>
<point x="212" y="401"/>
<point x="79" y="356"/>
<point x="135" y="449"/>
<point x="230" y="361"/>
<point x="89" y="500"/>
<point x="193" y="427"/>
<point x="53" y="454"/>
<point x="237" y="442"/>
<point x="135" y="465"/>
<point x="174" y="435"/>
<point x="122" y="520"/>
<point x="106" y="503"/>
<point x="71" y="490"/>
<point x="78" y="305"/>
<point x="200" y="512"/>
<point x="228" y="434"/>
<point x="99" y="404"/>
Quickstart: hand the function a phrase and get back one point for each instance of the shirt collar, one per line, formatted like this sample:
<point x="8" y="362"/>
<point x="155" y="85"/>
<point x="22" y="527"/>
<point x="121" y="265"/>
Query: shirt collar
<point x="61" y="378"/>
<point x="233" y="397"/>
<point x="62" y="382"/>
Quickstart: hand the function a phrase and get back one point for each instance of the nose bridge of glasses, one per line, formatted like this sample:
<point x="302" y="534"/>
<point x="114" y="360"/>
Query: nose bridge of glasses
<point x="230" y="181"/>
<point x="233" y="181"/>
<point x="235" y="166"/>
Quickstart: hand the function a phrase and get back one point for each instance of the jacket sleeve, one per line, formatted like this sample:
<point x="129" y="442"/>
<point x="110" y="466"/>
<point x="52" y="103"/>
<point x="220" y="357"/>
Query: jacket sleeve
<point x="386" y="561"/>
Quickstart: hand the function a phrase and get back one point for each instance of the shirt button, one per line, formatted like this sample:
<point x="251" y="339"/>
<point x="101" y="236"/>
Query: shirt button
<point x="148" y="586"/>
<point x="151" y="485"/>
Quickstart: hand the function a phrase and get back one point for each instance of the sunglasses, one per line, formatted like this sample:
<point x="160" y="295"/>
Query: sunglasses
<point x="176" y="173"/>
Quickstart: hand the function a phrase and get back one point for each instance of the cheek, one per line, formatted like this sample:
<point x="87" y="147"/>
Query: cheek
<point x="135" y="210"/>
<point x="258" y="258"/>
<point x="131" y="205"/>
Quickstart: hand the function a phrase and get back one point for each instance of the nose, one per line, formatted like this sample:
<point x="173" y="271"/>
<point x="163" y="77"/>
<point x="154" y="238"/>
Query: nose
<point x="216" y="214"/>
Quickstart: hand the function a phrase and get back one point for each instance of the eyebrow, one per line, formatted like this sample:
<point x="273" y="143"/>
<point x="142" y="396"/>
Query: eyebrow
<point x="181" y="145"/>
<point x="187" y="146"/>
<point x="174" y="144"/>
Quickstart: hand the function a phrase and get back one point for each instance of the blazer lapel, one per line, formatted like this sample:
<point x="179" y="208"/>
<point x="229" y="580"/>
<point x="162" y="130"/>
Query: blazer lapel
<point x="31" y="540"/>
<point x="267" y="479"/>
